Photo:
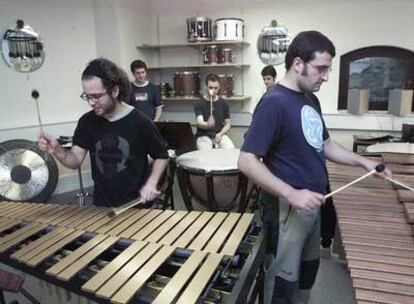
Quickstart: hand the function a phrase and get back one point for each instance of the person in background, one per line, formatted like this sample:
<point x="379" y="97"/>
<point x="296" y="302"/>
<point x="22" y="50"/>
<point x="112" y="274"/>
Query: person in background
<point x="284" y="153"/>
<point x="213" y="118"/>
<point x="269" y="76"/>
<point x="118" y="137"/>
<point x="145" y="96"/>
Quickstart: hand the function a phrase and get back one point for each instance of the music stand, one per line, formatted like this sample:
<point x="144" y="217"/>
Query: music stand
<point x="178" y="135"/>
<point x="180" y="138"/>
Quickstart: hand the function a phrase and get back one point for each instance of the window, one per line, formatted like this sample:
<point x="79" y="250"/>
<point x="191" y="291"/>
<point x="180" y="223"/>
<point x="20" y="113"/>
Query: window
<point x="379" y="69"/>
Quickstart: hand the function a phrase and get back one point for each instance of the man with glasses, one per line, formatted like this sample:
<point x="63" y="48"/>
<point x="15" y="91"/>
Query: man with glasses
<point x="118" y="138"/>
<point x="284" y="154"/>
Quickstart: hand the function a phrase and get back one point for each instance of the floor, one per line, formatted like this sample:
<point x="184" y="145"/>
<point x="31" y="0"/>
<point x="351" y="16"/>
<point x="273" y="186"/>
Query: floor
<point x="333" y="284"/>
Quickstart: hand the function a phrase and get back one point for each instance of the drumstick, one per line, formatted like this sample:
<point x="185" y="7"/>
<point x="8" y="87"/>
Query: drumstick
<point x="211" y="93"/>
<point x="118" y="210"/>
<point x="399" y="183"/>
<point x="35" y="95"/>
<point x="378" y="168"/>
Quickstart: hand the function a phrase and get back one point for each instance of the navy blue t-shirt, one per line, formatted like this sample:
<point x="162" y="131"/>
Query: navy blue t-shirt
<point x="288" y="132"/>
<point x="145" y="99"/>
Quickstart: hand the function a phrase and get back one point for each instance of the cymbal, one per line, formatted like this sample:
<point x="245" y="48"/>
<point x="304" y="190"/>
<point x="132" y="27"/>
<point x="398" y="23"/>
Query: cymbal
<point x="25" y="172"/>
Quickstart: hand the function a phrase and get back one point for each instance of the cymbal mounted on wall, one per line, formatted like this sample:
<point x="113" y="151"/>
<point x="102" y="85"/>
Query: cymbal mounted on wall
<point x="26" y="173"/>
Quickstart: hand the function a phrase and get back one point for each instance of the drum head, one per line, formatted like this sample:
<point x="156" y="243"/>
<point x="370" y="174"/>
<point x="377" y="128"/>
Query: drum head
<point x="26" y="173"/>
<point x="214" y="160"/>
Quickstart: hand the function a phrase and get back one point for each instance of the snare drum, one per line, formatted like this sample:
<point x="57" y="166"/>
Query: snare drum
<point x="212" y="179"/>
<point x="226" y="84"/>
<point x="225" y="55"/>
<point x="229" y="29"/>
<point x="199" y="29"/>
<point x="211" y="54"/>
<point x="187" y="84"/>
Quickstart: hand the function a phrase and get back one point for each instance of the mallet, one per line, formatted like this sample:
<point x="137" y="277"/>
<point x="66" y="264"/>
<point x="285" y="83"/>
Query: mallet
<point x="378" y="168"/>
<point x="399" y="183"/>
<point x="118" y="210"/>
<point x="35" y="95"/>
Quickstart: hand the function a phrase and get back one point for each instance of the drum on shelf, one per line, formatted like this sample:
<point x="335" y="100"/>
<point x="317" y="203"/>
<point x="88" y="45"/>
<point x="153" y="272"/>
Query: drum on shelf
<point x="187" y="84"/>
<point x="229" y="29"/>
<point x="165" y="89"/>
<point x="211" y="54"/>
<point x="225" y="55"/>
<point x="199" y="29"/>
<point x="212" y="179"/>
<point x="26" y="173"/>
<point x="226" y="84"/>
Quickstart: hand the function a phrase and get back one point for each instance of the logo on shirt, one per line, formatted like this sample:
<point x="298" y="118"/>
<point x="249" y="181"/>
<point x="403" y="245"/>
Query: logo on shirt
<point x="111" y="154"/>
<point x="141" y="96"/>
<point x="312" y="127"/>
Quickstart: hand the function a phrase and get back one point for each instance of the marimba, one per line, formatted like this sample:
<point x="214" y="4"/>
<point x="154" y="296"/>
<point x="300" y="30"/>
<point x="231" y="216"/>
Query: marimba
<point x="142" y="255"/>
<point x="376" y="236"/>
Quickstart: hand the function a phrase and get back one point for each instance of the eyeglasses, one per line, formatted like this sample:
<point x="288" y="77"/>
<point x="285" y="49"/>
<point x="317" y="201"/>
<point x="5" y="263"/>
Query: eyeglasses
<point x="95" y="97"/>
<point x="322" y="69"/>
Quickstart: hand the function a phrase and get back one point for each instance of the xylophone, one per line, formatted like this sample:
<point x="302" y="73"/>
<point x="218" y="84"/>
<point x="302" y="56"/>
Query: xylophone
<point x="140" y="256"/>
<point x="376" y="235"/>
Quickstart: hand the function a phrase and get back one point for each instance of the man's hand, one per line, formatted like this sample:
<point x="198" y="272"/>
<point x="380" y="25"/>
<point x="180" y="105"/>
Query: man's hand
<point x="211" y="122"/>
<point x="305" y="199"/>
<point x="218" y="137"/>
<point x="149" y="192"/>
<point x="48" y="143"/>
<point x="370" y="165"/>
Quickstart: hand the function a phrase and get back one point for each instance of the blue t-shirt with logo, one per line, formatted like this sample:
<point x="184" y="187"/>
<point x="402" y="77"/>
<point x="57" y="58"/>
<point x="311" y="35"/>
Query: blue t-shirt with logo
<point x="288" y="132"/>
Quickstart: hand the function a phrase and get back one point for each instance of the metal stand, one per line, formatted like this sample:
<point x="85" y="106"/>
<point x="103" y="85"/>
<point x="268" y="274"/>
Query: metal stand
<point x="81" y="194"/>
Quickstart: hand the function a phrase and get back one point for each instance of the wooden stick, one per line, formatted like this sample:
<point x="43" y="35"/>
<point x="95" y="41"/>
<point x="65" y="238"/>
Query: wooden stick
<point x="35" y="95"/>
<point x="118" y="210"/>
<point x="399" y="183"/>
<point x="350" y="184"/>
<point x="211" y="101"/>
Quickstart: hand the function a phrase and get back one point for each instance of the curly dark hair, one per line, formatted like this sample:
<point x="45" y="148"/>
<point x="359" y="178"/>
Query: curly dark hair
<point x="306" y="44"/>
<point x="111" y="76"/>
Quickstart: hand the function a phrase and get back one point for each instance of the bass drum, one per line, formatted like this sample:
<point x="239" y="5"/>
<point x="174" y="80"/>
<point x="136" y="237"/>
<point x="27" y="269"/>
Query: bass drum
<point x="26" y="173"/>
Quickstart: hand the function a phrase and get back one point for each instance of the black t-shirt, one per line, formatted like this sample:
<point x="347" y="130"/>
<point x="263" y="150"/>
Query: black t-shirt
<point x="288" y="132"/>
<point x="220" y="113"/>
<point x="145" y="99"/>
<point x="119" y="154"/>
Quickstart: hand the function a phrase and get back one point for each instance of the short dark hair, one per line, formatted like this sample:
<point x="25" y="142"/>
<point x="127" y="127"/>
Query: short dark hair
<point x="212" y="77"/>
<point x="111" y="76"/>
<point x="138" y="64"/>
<point x="269" y="70"/>
<point x="306" y="44"/>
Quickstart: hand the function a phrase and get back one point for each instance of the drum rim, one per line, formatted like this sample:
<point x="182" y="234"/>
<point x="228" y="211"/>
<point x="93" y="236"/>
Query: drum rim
<point x="229" y="18"/>
<point x="198" y="18"/>
<point x="226" y="49"/>
<point x="199" y="170"/>
<point x="225" y="75"/>
<point x="187" y="72"/>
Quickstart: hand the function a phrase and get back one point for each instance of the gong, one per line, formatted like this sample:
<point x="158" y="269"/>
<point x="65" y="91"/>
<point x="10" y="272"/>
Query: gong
<point x="26" y="173"/>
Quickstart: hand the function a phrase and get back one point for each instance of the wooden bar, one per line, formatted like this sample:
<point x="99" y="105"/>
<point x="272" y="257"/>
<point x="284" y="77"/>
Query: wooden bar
<point x="140" y="224"/>
<point x="109" y="270"/>
<point x="235" y="238"/>
<point x="200" y="280"/>
<point x="119" y="279"/>
<point x="180" y="279"/>
<point x="138" y="280"/>
<point x="19" y="235"/>
<point x="126" y="224"/>
<point x="181" y="227"/>
<point x="193" y="230"/>
<point x="75" y="255"/>
<point x="85" y="259"/>
<point x="163" y="229"/>
<point x="220" y="236"/>
<point x="154" y="224"/>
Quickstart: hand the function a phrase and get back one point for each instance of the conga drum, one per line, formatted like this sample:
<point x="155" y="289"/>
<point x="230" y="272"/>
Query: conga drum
<point x="212" y="179"/>
<point x="226" y="84"/>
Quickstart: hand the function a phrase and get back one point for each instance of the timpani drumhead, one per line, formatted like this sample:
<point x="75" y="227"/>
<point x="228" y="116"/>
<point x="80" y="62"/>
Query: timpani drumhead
<point x="212" y="178"/>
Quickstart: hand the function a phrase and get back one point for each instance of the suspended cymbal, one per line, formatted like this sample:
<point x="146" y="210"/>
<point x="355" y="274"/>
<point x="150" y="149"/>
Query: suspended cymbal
<point x="25" y="172"/>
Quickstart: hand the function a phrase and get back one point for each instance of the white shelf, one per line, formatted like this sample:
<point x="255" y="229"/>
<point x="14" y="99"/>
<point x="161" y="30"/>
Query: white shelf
<point x="194" y="44"/>
<point x="202" y="66"/>
<point x="184" y="98"/>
